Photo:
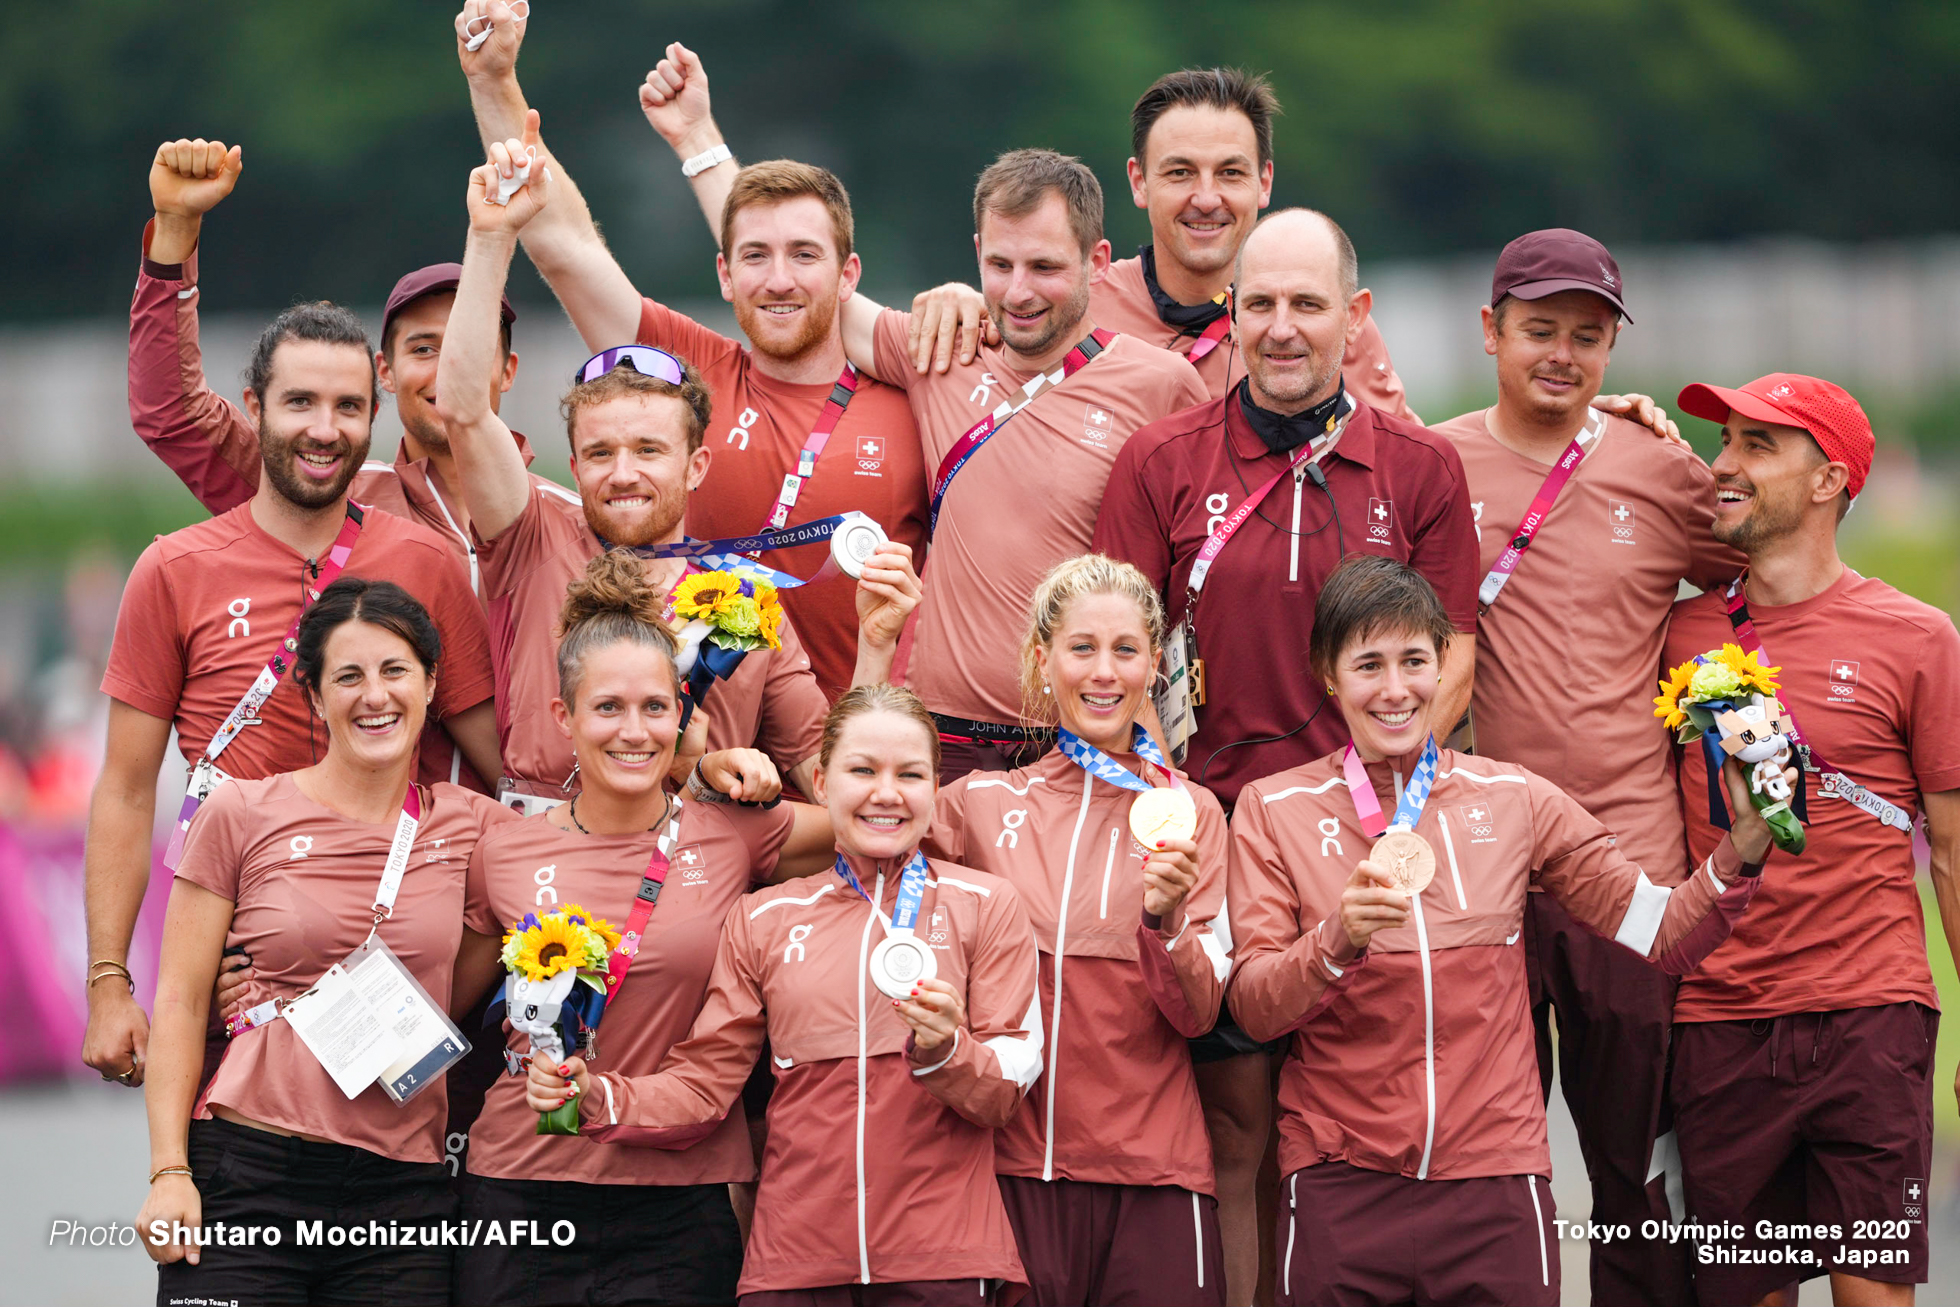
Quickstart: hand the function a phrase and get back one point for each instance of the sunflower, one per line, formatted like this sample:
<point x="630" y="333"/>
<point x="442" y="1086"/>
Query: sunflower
<point x="1749" y="671"/>
<point x="703" y="593"/>
<point x="1667" y="704"/>
<point x="602" y="931"/>
<point x="555" y="945"/>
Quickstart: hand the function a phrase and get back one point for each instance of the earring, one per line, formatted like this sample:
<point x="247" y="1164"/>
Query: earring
<point x="1044" y="689"/>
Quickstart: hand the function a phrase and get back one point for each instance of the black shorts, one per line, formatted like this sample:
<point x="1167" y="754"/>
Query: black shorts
<point x="1815" y="1119"/>
<point x="631" y="1244"/>
<point x="1227" y="1040"/>
<point x="257" y="1180"/>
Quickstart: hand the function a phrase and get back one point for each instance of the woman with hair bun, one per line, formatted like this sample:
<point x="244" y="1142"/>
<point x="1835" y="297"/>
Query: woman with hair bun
<point x="1106" y="1170"/>
<point x="652" y="1226"/>
<point x="302" y="869"/>
<point x="897" y="996"/>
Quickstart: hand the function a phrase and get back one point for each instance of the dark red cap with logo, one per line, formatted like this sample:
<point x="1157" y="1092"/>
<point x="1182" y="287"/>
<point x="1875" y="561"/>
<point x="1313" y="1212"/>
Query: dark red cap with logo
<point x="1541" y="263"/>
<point x="427" y="281"/>
<point x="1790" y="399"/>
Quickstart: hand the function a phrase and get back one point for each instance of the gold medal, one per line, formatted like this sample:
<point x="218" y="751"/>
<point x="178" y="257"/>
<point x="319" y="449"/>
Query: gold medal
<point x="1163" y="815"/>
<point x="1407" y="857"/>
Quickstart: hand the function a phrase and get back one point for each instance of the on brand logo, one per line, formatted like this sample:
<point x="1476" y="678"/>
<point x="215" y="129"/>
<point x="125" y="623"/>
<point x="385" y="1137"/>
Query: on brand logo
<point x="238" y="608"/>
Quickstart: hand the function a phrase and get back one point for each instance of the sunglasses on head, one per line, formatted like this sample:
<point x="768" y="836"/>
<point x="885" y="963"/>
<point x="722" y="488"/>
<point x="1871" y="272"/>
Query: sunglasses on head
<point x="643" y="359"/>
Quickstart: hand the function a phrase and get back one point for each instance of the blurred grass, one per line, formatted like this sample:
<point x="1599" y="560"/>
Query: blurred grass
<point x="46" y="525"/>
<point x="1946" y="1053"/>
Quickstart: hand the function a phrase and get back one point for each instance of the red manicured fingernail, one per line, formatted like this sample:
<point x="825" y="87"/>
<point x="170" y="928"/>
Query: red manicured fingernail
<point x="894" y="1002"/>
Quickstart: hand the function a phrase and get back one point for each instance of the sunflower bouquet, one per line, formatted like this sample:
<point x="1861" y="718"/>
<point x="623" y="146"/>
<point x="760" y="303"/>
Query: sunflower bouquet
<point x="1727" y="700"/>
<point x="558" y="963"/>
<point x="734" y="610"/>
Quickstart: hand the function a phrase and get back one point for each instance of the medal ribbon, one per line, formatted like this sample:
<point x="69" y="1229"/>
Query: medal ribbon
<point x="1215" y="544"/>
<point x="1105" y="768"/>
<point x="715" y="555"/>
<point x="813" y="445"/>
<point x="1831" y="780"/>
<point x="247" y="709"/>
<point x="1541" y="504"/>
<point x="967" y="445"/>
<point x="392" y="872"/>
<point x="1415" y="793"/>
<point x="651" y="882"/>
<point x="911" y="892"/>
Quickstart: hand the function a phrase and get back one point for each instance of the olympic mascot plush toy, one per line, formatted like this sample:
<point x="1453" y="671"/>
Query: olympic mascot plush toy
<point x="1727" y="700"/>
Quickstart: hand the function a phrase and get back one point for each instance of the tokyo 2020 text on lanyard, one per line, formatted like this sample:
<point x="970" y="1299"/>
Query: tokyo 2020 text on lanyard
<point x="204" y="775"/>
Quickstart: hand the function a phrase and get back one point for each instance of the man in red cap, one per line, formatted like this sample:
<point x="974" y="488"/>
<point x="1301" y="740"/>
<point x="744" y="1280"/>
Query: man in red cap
<point x="1612" y="520"/>
<point x="1803" y="1047"/>
<point x="211" y="446"/>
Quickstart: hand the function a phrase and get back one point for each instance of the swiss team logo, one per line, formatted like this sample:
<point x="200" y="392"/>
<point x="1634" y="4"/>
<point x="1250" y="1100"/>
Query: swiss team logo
<point x="1620" y="513"/>
<point x="870" y="453"/>
<point x="1381" y="520"/>
<point x="1915" y="1200"/>
<point x="1479" y="821"/>
<point x="1098" y="423"/>
<point x="937" y="933"/>
<point x="1844" y="681"/>
<point x="692" y="864"/>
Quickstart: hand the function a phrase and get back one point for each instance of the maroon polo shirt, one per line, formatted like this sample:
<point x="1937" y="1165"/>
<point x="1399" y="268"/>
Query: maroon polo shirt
<point x="1399" y="491"/>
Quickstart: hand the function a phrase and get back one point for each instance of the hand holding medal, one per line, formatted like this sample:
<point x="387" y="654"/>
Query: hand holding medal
<point x="935" y="1011"/>
<point x="1372" y="901"/>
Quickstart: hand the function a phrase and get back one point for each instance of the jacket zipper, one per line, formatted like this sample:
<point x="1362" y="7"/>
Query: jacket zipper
<point x="1061" y="944"/>
<point x="864" y="973"/>
<point x="469" y="546"/>
<point x="1428" y="1018"/>
<point x="1109" y="866"/>
<point x="1293" y="541"/>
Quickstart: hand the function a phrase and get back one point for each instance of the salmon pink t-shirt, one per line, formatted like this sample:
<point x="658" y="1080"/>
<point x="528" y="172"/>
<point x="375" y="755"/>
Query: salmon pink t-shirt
<point x="205" y="608"/>
<point x="1869" y="674"/>
<point x="302" y="878"/>
<point x="1024" y="502"/>
<point x="1592" y="592"/>
<point x="723" y="851"/>
<point x="872" y="463"/>
<point x="771" y="703"/>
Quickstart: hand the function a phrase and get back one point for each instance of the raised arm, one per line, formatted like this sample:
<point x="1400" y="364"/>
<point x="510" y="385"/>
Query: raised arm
<point x="563" y="241"/>
<point x="495" y="485"/>
<point x="211" y="446"/>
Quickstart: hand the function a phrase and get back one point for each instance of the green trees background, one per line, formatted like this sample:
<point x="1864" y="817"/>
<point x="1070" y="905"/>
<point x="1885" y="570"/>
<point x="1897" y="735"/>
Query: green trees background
<point x="1425" y="126"/>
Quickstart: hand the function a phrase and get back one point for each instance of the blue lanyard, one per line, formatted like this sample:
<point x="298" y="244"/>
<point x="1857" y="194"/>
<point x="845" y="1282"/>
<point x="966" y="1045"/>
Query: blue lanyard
<point x="729" y="555"/>
<point x="1408" y="809"/>
<point x="1105" y="768"/>
<point x="911" y="890"/>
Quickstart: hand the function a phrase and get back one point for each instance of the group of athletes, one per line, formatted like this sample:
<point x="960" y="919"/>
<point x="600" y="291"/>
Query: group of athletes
<point x="1292" y="1040"/>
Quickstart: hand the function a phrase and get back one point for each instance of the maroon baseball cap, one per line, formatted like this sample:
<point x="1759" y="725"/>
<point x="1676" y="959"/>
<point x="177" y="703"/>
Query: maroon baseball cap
<point x="427" y="281"/>
<point x="1541" y="263"/>
<point x="1790" y="399"/>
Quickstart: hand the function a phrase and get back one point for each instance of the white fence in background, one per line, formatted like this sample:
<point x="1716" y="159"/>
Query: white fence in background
<point x="1877" y="317"/>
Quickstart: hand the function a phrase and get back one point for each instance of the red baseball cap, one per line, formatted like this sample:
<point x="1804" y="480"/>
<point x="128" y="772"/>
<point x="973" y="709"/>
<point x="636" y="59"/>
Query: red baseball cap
<point x="1541" y="263"/>
<point x="427" y="281"/>
<point x="1789" y="399"/>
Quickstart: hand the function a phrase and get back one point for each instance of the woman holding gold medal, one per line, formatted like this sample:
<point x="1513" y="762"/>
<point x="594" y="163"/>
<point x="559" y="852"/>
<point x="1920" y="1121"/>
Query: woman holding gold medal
<point x="897" y="994"/>
<point x="1106" y="1170"/>
<point x="1377" y="896"/>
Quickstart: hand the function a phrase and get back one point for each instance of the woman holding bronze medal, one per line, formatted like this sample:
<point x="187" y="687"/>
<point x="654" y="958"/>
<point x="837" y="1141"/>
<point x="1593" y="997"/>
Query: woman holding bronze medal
<point x="897" y="995"/>
<point x="345" y="882"/>
<point x="1106" y="1170"/>
<point x="1377" y="896"/>
<point x="653" y="1226"/>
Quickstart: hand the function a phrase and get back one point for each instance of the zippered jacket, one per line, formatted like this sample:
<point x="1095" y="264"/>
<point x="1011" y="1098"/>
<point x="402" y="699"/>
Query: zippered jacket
<point x="1121" y="991"/>
<point x="1415" y="1055"/>
<point x="880" y="1160"/>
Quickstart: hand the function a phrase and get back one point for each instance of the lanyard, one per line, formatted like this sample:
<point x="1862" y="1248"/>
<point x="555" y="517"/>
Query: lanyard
<point x="1105" y="768"/>
<point x="911" y="891"/>
<point x="716" y="555"/>
<point x="1210" y="338"/>
<point x="1541" y="504"/>
<point x="977" y="435"/>
<point x="813" y="445"/>
<point x="1408" y="809"/>
<point x="1215" y="543"/>
<point x="246" y="712"/>
<point x="384" y="907"/>
<point x="1831" y="780"/>
<point x="649" y="894"/>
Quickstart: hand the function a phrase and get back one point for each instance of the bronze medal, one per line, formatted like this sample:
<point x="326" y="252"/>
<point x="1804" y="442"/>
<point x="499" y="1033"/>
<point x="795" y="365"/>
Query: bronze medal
<point x="1407" y="857"/>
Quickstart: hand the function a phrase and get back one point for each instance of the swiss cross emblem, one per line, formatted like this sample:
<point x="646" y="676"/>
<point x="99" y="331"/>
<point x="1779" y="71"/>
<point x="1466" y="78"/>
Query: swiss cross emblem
<point x="692" y="864"/>
<point x="1915" y="1200"/>
<point x="1844" y="681"/>
<point x="1478" y="820"/>
<point x="870" y="451"/>
<point x="1620" y="514"/>
<point x="1381" y="521"/>
<point x="1098" y="422"/>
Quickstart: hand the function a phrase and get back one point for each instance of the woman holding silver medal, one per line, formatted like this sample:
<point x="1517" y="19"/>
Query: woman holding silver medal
<point x="1106" y="1170"/>
<point x="1377" y="898"/>
<point x="897" y="995"/>
<point x="345" y="882"/>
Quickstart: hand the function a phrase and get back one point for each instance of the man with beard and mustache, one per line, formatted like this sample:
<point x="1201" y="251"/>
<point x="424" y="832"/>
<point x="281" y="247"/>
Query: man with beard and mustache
<point x="208" y="443"/>
<point x="1803" y="1047"/>
<point x="1592" y="589"/>
<point x="207" y="609"/>
<point x="635" y="425"/>
<point x="804" y="435"/>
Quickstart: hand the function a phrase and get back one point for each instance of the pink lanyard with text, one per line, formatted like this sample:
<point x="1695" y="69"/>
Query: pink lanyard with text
<point x="642" y="911"/>
<point x="1209" y="339"/>
<point x="1541" y="504"/>
<point x="813" y="446"/>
